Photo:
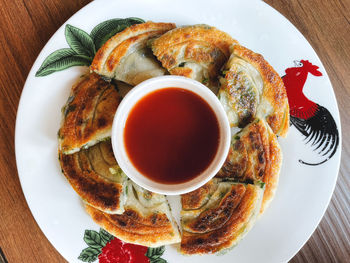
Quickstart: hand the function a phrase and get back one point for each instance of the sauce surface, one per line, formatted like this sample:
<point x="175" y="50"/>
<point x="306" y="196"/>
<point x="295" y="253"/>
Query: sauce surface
<point x="171" y="135"/>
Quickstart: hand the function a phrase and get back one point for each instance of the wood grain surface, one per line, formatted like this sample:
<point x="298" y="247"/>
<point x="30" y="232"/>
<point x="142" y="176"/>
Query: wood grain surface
<point x="25" y="27"/>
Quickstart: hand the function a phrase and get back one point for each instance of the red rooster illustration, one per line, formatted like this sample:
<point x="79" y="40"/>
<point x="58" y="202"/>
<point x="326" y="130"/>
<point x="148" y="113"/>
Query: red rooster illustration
<point x="311" y="119"/>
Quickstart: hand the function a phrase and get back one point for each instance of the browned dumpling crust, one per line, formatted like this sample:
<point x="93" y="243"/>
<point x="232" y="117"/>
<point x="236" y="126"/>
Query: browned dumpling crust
<point x="88" y="114"/>
<point x="196" y="199"/>
<point x="95" y="176"/>
<point x="126" y="56"/>
<point x="222" y="221"/>
<point x="271" y="176"/>
<point x="196" y="52"/>
<point x="252" y="88"/>
<point x="133" y="228"/>
<point x="146" y="221"/>
<point x="254" y="156"/>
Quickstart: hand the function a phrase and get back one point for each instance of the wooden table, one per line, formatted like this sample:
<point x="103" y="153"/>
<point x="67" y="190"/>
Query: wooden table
<point x="25" y="27"/>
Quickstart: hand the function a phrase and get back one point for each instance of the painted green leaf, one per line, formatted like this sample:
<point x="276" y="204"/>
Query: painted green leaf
<point x="80" y="41"/>
<point x="89" y="254"/>
<point x="105" y="237"/>
<point x="61" y="59"/>
<point x="105" y="30"/>
<point x="155" y="253"/>
<point x="158" y="260"/>
<point x="93" y="239"/>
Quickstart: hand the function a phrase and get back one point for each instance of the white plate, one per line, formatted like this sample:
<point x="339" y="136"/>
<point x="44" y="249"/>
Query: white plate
<point x="303" y="193"/>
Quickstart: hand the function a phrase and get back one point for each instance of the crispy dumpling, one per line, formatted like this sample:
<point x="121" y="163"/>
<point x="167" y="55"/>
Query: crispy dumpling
<point x="251" y="89"/>
<point x="88" y="114"/>
<point x="254" y="156"/>
<point x="126" y="56"/>
<point x="96" y="177"/>
<point x="196" y="52"/>
<point x="229" y="212"/>
<point x="147" y="220"/>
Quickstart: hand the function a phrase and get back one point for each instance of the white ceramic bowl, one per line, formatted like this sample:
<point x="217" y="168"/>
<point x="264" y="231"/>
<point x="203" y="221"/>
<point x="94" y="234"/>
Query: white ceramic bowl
<point x="127" y="104"/>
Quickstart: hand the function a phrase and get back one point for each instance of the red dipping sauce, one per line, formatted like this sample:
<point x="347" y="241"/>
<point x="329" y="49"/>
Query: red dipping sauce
<point x="171" y="135"/>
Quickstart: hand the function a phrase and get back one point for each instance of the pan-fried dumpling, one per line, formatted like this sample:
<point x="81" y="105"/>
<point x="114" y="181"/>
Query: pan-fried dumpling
<point x="251" y="89"/>
<point x="88" y="114"/>
<point x="126" y="56"/>
<point x="147" y="220"/>
<point x="254" y="156"/>
<point x="95" y="175"/>
<point x="196" y="52"/>
<point x="221" y="221"/>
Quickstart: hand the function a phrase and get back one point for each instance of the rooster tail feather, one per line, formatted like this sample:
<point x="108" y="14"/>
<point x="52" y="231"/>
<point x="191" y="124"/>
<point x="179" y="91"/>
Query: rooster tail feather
<point x="320" y="131"/>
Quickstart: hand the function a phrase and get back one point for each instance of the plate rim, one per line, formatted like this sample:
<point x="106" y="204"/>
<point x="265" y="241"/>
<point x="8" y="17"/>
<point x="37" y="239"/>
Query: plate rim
<point x="40" y="55"/>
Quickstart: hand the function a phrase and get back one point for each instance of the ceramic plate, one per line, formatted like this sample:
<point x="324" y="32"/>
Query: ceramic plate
<point x="304" y="190"/>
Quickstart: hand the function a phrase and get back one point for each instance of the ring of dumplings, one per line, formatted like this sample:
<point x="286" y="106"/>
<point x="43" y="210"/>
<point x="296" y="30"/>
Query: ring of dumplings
<point x="216" y="216"/>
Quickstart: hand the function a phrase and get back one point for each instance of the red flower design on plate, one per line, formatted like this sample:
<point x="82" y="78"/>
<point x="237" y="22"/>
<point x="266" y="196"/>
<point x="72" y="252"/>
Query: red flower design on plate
<point x="118" y="251"/>
<point x="109" y="249"/>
